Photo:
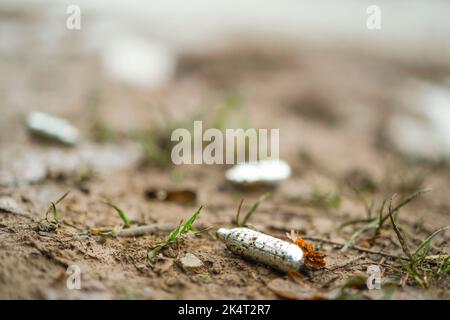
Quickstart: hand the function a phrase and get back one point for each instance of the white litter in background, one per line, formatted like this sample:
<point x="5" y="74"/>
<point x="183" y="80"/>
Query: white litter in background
<point x="138" y="62"/>
<point x="8" y="204"/>
<point x="412" y="137"/>
<point x="17" y="169"/>
<point x="101" y="158"/>
<point x="268" y="172"/>
<point x="22" y="165"/>
<point x="51" y="127"/>
<point x="426" y="134"/>
<point x="436" y="107"/>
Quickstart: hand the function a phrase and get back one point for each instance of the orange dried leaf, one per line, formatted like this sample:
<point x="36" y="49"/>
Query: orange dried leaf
<point x="95" y="231"/>
<point x="365" y="244"/>
<point x="312" y="258"/>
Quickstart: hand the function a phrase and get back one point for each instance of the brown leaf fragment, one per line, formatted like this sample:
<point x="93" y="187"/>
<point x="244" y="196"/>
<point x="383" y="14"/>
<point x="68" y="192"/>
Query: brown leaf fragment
<point x="180" y="196"/>
<point x="295" y="276"/>
<point x="286" y="289"/>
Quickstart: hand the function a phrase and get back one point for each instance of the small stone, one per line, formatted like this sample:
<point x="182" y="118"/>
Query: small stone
<point x="169" y="253"/>
<point x="142" y="267"/>
<point x="163" y="267"/>
<point x="46" y="234"/>
<point x="47" y="227"/>
<point x="190" y="262"/>
<point x="175" y="282"/>
<point x="216" y="269"/>
<point x="82" y="237"/>
<point x="99" y="239"/>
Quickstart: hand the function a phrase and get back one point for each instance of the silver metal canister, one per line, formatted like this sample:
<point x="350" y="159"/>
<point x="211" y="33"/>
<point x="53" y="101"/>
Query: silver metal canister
<point x="277" y="253"/>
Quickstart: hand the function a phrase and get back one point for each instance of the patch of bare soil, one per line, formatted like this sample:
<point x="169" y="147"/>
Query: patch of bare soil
<point x="330" y="128"/>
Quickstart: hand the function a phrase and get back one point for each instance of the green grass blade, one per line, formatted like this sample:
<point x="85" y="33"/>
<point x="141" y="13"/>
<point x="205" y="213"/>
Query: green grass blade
<point x="120" y="212"/>
<point x="55" y="212"/>
<point x="202" y="230"/>
<point x="254" y="207"/>
<point x="62" y="197"/>
<point x="52" y="207"/>
<point x="403" y="203"/>
<point x="188" y="225"/>
<point x="153" y="253"/>
<point x="175" y="235"/>
<point x="427" y="241"/>
<point x="398" y="232"/>
<point x="238" y="223"/>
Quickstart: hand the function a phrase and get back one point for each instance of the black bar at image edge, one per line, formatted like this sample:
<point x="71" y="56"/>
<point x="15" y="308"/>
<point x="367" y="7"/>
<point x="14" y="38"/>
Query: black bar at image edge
<point x="226" y="309"/>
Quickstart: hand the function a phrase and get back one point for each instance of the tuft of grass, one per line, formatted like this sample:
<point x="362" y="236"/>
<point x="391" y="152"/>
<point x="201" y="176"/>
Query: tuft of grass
<point x="233" y="104"/>
<point x="444" y="268"/>
<point x="82" y="178"/>
<point x="377" y="223"/>
<point x="319" y="199"/>
<point x="120" y="213"/>
<point x="324" y="200"/>
<point x="156" y="145"/>
<point x="250" y="211"/>
<point x="177" y="234"/>
<point x="398" y="232"/>
<point x="360" y="197"/>
<point x="424" y="247"/>
<point x="102" y="133"/>
<point x="156" y="142"/>
<point x="52" y="207"/>
<point x="420" y="264"/>
<point x="205" y="277"/>
<point x="405" y="180"/>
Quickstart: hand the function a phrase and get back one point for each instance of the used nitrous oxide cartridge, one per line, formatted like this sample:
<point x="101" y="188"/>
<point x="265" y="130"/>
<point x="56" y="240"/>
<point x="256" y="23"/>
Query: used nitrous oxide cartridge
<point x="279" y="254"/>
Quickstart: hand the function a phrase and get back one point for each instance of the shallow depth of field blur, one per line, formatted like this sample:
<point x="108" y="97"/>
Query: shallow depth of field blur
<point x="364" y="119"/>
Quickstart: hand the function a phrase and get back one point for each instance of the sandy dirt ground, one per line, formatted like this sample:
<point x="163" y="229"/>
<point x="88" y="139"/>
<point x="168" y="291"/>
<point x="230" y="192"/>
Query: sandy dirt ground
<point x="330" y="107"/>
